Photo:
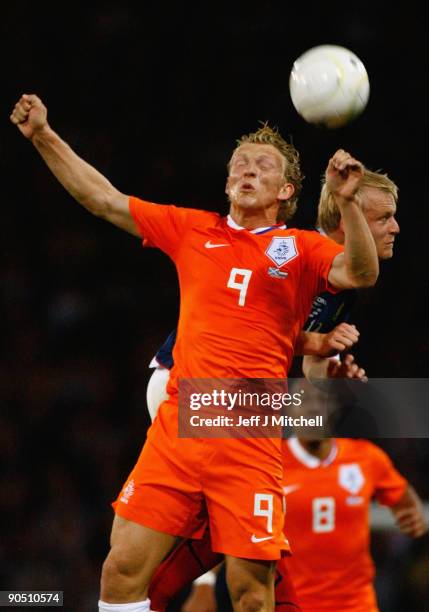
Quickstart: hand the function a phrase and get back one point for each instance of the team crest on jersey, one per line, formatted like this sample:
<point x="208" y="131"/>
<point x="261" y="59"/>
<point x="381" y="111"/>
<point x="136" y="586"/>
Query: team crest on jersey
<point x="350" y="478"/>
<point x="282" y="250"/>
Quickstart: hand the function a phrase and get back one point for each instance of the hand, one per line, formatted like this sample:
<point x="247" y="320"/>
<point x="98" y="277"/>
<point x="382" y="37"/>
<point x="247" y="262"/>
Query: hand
<point x="343" y="175"/>
<point x="201" y="599"/>
<point x="342" y="337"/>
<point x="411" y="522"/>
<point x="29" y="115"/>
<point x="346" y="368"/>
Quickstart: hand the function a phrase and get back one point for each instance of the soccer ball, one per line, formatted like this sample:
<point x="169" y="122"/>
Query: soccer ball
<point x="329" y="86"/>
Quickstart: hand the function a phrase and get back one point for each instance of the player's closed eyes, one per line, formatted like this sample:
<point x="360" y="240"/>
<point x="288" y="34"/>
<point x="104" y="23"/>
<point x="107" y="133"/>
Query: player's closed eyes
<point x="264" y="165"/>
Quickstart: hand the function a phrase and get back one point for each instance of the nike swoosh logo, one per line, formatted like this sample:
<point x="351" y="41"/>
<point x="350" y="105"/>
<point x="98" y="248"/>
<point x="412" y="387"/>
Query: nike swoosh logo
<point x="209" y="245"/>
<point x="291" y="488"/>
<point x="255" y="540"/>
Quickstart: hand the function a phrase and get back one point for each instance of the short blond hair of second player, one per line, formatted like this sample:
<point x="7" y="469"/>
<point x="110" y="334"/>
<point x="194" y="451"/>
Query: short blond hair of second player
<point x="328" y="214"/>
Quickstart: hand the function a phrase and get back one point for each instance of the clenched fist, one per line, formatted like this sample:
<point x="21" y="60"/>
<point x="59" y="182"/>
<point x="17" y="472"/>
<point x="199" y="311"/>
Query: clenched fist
<point x="342" y="337"/>
<point x="343" y="175"/>
<point x="29" y="115"/>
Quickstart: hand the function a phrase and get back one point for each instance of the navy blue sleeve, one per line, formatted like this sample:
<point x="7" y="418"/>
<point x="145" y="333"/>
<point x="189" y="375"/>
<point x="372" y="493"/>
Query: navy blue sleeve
<point x="329" y="310"/>
<point x="164" y="355"/>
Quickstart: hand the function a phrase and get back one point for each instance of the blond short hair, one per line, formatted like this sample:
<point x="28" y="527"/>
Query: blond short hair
<point x="268" y="135"/>
<point x="328" y="213"/>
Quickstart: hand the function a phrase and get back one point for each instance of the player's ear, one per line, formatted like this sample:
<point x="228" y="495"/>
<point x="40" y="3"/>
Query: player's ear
<point x="227" y="186"/>
<point x="286" y="192"/>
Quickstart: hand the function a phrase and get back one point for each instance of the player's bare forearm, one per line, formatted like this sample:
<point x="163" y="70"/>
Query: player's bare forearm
<point x="409" y="514"/>
<point x="82" y="181"/>
<point x="358" y="265"/>
<point x="308" y="343"/>
<point x="343" y="336"/>
<point x="88" y="186"/>
<point x="315" y="368"/>
<point x="360" y="254"/>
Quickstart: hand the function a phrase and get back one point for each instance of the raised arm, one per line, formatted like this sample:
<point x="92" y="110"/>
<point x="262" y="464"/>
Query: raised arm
<point x="80" y="179"/>
<point x="358" y="265"/>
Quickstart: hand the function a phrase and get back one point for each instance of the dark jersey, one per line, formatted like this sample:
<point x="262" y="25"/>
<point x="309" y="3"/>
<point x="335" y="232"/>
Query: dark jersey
<point x="329" y="310"/>
<point x="164" y="355"/>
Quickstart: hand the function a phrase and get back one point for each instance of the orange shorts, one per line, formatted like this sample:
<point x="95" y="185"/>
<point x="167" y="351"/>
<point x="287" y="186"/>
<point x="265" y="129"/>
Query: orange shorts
<point x="180" y="484"/>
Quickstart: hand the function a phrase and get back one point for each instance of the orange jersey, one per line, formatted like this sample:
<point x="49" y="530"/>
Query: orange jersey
<point x="244" y="296"/>
<point x="327" y="522"/>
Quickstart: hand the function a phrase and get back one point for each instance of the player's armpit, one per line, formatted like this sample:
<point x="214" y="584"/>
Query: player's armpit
<point x="116" y="210"/>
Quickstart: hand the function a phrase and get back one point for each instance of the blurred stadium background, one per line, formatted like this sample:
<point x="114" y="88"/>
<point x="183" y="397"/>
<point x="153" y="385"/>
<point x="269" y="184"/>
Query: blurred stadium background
<point x="154" y="96"/>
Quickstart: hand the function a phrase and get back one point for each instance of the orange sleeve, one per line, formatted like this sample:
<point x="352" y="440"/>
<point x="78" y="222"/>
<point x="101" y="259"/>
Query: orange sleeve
<point x="389" y="485"/>
<point x="320" y="252"/>
<point x="163" y="225"/>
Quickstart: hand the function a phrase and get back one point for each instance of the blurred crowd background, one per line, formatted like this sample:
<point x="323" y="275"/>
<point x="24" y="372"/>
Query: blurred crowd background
<point x="155" y="98"/>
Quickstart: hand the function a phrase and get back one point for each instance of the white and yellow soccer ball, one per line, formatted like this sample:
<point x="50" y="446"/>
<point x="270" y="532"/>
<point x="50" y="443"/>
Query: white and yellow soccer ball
<point x="329" y="85"/>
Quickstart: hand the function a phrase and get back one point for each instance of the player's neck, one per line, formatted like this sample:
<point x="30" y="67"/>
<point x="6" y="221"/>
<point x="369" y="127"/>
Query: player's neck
<point x="336" y="235"/>
<point x="318" y="448"/>
<point x="252" y="219"/>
